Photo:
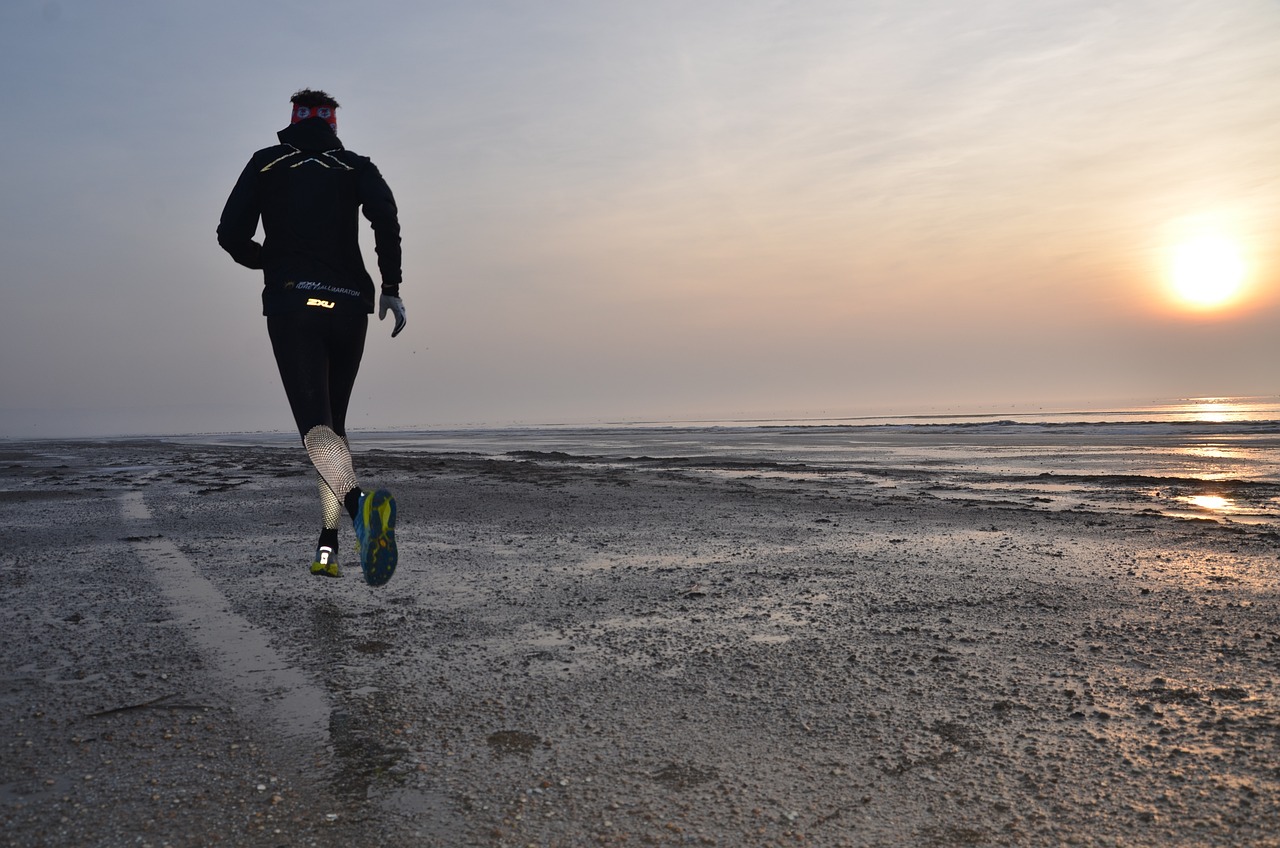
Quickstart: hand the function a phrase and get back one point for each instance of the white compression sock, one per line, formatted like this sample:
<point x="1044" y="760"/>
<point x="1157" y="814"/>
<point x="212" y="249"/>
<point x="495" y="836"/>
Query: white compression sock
<point x="332" y="458"/>
<point x="331" y="504"/>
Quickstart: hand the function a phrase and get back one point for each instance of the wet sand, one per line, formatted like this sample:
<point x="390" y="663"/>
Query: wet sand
<point x="585" y="653"/>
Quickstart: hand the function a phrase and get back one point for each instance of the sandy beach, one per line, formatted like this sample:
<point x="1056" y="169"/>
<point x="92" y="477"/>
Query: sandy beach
<point x="594" y="653"/>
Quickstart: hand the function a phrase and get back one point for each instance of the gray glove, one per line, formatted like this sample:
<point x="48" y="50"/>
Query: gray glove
<point x="396" y="305"/>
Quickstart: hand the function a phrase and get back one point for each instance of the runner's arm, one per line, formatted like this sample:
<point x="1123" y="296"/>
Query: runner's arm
<point x="239" y="222"/>
<point x="379" y="207"/>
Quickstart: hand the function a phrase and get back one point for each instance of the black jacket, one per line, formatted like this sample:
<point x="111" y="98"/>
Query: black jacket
<point x="308" y="191"/>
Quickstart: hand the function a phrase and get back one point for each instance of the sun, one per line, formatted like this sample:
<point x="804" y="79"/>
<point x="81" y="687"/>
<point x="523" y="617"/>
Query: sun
<point x="1206" y="273"/>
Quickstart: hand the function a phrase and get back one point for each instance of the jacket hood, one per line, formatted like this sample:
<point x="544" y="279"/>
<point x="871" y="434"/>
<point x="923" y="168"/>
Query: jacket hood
<point x="310" y="134"/>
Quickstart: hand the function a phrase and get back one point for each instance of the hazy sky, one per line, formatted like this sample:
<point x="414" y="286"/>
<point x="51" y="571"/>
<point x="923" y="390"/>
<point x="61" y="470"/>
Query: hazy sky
<point x="618" y="210"/>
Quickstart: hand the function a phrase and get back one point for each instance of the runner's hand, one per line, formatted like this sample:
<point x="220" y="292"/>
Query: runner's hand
<point x="396" y="305"/>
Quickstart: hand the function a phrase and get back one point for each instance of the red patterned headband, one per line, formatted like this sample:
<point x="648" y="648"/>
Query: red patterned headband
<point x="301" y="113"/>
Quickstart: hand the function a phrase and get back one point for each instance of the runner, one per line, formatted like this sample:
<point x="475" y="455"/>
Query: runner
<point x="308" y="192"/>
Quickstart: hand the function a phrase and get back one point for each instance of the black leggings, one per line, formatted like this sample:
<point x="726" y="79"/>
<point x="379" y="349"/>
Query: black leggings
<point x="318" y="352"/>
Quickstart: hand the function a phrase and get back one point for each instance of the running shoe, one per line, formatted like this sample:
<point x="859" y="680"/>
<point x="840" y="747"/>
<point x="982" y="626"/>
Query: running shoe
<point x="375" y="525"/>
<point x="326" y="562"/>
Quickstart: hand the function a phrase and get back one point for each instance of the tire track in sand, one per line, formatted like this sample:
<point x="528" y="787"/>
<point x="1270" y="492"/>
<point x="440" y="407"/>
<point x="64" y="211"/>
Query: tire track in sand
<point x="264" y="686"/>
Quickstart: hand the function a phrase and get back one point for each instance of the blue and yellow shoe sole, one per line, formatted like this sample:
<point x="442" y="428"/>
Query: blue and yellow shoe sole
<point x="376" y="535"/>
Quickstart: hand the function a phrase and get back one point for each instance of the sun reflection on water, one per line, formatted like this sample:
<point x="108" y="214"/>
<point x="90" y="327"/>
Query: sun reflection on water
<point x="1213" y="413"/>
<point x="1210" y="463"/>
<point x="1213" y="452"/>
<point x="1216" y="503"/>
<point x="1210" y="410"/>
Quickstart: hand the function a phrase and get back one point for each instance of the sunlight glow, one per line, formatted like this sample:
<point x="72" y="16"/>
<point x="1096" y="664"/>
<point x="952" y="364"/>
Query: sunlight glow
<point x="1216" y="503"/>
<point x="1207" y="272"/>
<point x="1213" y="412"/>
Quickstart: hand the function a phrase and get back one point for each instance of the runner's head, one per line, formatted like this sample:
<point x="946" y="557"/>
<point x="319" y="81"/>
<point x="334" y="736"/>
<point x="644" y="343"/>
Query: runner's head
<point x="309" y="103"/>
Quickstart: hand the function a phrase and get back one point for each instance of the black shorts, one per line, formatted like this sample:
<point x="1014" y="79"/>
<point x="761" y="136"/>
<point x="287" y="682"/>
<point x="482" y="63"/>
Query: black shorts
<point x="318" y="352"/>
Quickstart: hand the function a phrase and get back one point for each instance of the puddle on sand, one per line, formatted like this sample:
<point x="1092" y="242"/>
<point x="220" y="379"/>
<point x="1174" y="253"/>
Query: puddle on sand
<point x="362" y="759"/>
<point x="513" y="742"/>
<point x="434" y="814"/>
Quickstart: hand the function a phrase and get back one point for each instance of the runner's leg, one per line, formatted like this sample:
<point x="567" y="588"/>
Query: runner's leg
<point x="310" y="346"/>
<point x="304" y="346"/>
<point x="374" y="514"/>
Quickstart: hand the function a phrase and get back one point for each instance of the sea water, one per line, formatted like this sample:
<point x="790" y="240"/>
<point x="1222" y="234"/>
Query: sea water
<point x="1214" y="459"/>
<point x="1209" y="458"/>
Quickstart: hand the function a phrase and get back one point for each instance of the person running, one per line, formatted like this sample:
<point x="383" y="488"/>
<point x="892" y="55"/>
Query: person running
<point x="308" y="191"/>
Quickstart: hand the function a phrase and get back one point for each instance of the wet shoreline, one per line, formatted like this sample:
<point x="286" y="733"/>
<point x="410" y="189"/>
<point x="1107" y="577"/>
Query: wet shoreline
<point x="579" y="653"/>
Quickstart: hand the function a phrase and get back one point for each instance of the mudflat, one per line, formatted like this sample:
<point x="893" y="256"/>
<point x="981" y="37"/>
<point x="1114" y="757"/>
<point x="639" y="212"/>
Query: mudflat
<point x="576" y="652"/>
